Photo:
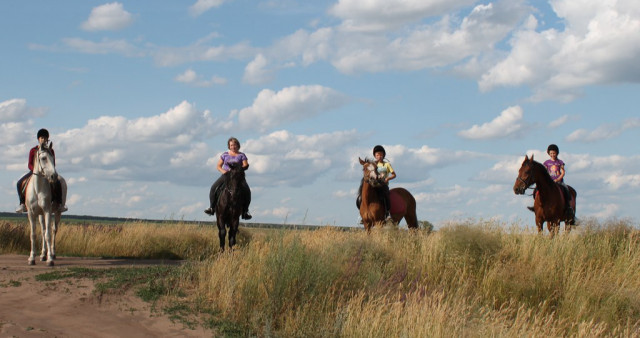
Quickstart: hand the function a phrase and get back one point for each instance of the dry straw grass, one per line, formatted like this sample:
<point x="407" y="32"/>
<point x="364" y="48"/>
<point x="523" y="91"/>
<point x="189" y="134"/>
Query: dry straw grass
<point x="473" y="279"/>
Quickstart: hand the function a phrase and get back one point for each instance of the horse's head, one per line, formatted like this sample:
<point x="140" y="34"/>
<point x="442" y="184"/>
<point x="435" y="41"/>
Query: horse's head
<point x="525" y="176"/>
<point x="370" y="172"/>
<point x="236" y="170"/>
<point x="44" y="164"/>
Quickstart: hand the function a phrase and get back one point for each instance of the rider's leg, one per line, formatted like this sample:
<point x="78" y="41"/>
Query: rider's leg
<point x="213" y="196"/>
<point x="21" y="194"/>
<point x="359" y="198"/>
<point x="247" y="200"/>
<point x="387" y="201"/>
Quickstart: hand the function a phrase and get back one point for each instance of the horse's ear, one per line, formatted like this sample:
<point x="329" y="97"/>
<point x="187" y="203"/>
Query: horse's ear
<point x="531" y="157"/>
<point x="361" y="161"/>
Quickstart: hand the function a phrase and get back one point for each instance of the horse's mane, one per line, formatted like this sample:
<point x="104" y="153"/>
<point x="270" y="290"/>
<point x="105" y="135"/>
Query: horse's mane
<point x="541" y="167"/>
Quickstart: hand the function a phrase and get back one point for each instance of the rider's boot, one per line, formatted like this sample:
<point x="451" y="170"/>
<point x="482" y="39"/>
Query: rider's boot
<point x="209" y="211"/>
<point x="21" y="208"/>
<point x="246" y="215"/>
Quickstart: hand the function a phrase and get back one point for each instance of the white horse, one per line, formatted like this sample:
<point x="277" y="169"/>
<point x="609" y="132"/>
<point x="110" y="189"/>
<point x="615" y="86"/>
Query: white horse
<point x="38" y="198"/>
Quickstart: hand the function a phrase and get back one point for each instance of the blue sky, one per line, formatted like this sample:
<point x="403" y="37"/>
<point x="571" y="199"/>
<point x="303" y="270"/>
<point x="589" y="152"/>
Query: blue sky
<point x="141" y="99"/>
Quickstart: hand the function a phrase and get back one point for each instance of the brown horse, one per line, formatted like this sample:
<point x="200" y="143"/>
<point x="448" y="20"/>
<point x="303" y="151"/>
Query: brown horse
<point x="403" y="205"/>
<point x="549" y="204"/>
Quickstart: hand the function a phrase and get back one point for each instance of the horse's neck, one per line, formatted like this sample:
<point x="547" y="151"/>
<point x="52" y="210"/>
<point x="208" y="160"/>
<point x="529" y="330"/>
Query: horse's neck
<point x="542" y="179"/>
<point x="368" y="192"/>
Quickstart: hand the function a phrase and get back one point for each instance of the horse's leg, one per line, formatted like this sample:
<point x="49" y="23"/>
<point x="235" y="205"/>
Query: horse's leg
<point x="48" y="236"/>
<point x="233" y="230"/>
<point x="539" y="223"/>
<point x="553" y="228"/>
<point x="55" y="221"/>
<point x="222" y="231"/>
<point x="32" y="255"/>
<point x="43" y="231"/>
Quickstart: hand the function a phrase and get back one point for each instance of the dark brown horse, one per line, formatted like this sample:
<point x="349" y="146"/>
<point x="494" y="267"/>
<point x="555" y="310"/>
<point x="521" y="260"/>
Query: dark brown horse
<point x="230" y="204"/>
<point x="403" y="205"/>
<point x="549" y="205"/>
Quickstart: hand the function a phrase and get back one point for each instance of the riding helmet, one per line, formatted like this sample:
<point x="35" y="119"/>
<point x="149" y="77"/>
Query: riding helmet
<point x="379" y="148"/>
<point x="43" y="133"/>
<point x="554" y="148"/>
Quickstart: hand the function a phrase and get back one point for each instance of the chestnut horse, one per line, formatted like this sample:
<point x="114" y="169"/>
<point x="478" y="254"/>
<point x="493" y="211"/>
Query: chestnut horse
<point x="403" y="204"/>
<point x="549" y="204"/>
<point x="230" y="204"/>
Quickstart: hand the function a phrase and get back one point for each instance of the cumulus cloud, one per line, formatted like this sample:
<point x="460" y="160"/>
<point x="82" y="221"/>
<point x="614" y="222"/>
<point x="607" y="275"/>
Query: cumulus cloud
<point x="290" y="104"/>
<point x="603" y="132"/>
<point x="308" y="156"/>
<point x="145" y="148"/>
<point x="599" y="44"/>
<point x="16" y="122"/>
<point x="107" y="17"/>
<point x="202" y="6"/>
<point x="190" y="77"/>
<point x="256" y="71"/>
<point x="508" y="124"/>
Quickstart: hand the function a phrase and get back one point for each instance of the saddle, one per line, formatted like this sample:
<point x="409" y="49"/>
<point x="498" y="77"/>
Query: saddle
<point x="56" y="189"/>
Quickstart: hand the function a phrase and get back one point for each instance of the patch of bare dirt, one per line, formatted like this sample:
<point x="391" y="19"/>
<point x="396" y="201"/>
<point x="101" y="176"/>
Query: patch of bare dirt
<point x="69" y="308"/>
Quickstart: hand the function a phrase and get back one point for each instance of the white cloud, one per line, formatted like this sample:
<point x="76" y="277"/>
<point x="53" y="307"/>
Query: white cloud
<point x="600" y="44"/>
<point x="559" y="121"/>
<point x="603" y="132"/>
<point x="202" y="6"/>
<point x="379" y="15"/>
<point x="191" y="78"/>
<point x="308" y="156"/>
<point x="290" y="104"/>
<point x="16" y="110"/>
<point x="256" y="72"/>
<point x="16" y="123"/>
<point x="619" y="180"/>
<point x="107" y="17"/>
<point x="106" y="46"/>
<point x="508" y="124"/>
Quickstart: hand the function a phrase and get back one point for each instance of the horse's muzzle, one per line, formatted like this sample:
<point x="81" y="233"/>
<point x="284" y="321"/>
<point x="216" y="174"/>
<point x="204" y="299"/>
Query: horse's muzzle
<point x="519" y="190"/>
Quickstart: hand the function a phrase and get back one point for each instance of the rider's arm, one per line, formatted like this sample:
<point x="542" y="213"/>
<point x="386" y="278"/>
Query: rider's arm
<point x="219" y="167"/>
<point x="559" y="179"/>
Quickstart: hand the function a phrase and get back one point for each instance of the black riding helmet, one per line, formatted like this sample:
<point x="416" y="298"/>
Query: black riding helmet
<point x="43" y="133"/>
<point x="554" y="148"/>
<point x="379" y="148"/>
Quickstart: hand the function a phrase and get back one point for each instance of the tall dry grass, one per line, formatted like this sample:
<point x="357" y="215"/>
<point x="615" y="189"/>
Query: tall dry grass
<point x="478" y="279"/>
<point x="133" y="239"/>
<point x="472" y="279"/>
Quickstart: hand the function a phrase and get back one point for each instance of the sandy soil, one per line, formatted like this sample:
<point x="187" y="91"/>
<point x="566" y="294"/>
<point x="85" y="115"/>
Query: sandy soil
<point x="68" y="308"/>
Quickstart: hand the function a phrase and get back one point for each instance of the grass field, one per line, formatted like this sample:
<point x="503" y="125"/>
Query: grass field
<point x="472" y="279"/>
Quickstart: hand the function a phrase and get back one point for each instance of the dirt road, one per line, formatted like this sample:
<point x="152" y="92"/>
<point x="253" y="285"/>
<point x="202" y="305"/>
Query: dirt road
<point x="68" y="308"/>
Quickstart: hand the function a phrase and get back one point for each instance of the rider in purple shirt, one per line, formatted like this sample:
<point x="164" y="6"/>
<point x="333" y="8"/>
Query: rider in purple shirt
<point x="232" y="156"/>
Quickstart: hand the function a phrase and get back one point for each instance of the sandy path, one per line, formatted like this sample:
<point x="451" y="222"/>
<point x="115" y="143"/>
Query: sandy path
<point x="68" y="308"/>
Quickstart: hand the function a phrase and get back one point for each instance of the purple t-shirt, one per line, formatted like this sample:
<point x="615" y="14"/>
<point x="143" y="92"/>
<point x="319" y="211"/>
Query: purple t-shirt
<point x="228" y="158"/>
<point x="553" y="167"/>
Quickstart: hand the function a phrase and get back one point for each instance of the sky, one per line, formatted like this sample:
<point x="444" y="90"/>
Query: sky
<point x="140" y="99"/>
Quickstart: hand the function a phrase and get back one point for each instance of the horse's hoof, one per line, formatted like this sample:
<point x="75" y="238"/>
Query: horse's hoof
<point x="53" y="256"/>
<point x="50" y="263"/>
<point x="31" y="262"/>
<point x="43" y="258"/>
